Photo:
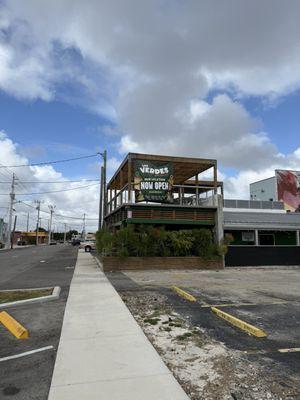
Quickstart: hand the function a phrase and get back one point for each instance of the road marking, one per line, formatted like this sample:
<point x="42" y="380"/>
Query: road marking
<point x="205" y="305"/>
<point x="27" y="353"/>
<point x="239" y="323"/>
<point x="291" y="350"/>
<point x="184" y="294"/>
<point x="13" y="326"/>
<point x="42" y="261"/>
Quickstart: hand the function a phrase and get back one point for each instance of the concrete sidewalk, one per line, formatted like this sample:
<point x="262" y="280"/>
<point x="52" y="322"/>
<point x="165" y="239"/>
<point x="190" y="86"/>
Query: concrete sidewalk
<point x="103" y="354"/>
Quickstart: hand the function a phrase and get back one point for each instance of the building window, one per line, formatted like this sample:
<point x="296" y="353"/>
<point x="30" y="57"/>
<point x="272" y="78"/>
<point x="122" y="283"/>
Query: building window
<point x="248" y="236"/>
<point x="266" y="239"/>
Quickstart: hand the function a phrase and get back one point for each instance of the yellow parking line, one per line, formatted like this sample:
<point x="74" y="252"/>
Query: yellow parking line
<point x="184" y="294"/>
<point x="205" y="305"/>
<point x="291" y="350"/>
<point x="239" y="323"/>
<point x="13" y="326"/>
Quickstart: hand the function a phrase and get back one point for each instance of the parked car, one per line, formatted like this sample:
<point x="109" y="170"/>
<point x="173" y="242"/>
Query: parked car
<point x="88" y="245"/>
<point x="53" y="242"/>
<point x="76" y="242"/>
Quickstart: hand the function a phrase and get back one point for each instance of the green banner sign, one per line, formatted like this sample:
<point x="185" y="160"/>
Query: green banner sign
<point x="153" y="181"/>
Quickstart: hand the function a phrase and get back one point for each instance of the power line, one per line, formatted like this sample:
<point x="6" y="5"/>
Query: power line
<point x="10" y="174"/>
<point x="50" y="162"/>
<point x="52" y="191"/>
<point x="82" y="180"/>
<point x="58" y="215"/>
<point x="87" y="219"/>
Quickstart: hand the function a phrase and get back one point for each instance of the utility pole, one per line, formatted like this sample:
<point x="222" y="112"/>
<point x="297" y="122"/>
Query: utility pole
<point x="65" y="234"/>
<point x="27" y="222"/>
<point x="13" y="233"/>
<point x="103" y="192"/>
<point x="51" y="208"/>
<point x="37" y="222"/>
<point x="11" y="209"/>
<point x="101" y="200"/>
<point x="104" y="185"/>
<point x="83" y="230"/>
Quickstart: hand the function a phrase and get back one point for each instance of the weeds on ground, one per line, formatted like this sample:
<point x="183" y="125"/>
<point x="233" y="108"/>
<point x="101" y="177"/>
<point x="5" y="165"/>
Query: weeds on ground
<point x="151" y="321"/>
<point x="17" y="295"/>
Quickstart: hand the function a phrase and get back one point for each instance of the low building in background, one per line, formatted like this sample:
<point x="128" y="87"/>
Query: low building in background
<point x="262" y="232"/>
<point x="284" y="187"/>
<point x="27" y="238"/>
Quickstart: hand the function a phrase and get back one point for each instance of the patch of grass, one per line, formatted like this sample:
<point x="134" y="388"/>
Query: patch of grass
<point x="167" y="329"/>
<point x="151" y="321"/>
<point x="16" y="295"/>
<point x="184" y="336"/>
<point x="154" y="314"/>
<point x="176" y="324"/>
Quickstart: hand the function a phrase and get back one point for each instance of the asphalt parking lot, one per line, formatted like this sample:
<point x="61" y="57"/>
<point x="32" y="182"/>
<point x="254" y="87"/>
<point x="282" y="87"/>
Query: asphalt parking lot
<point x="29" y="377"/>
<point x="267" y="298"/>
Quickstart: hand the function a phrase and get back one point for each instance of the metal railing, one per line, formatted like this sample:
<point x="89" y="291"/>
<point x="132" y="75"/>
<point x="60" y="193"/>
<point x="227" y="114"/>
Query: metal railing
<point x="254" y="204"/>
<point x="186" y="195"/>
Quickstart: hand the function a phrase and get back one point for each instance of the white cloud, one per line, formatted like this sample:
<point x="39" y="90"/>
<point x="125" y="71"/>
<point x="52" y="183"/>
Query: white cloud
<point x="25" y="78"/>
<point x="69" y="203"/>
<point x="198" y="109"/>
<point x="151" y="65"/>
<point x="128" y="145"/>
<point x="222" y="130"/>
<point x="238" y="186"/>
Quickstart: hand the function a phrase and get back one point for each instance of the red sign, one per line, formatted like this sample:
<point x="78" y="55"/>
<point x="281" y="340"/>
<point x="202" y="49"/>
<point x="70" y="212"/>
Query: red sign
<point x="288" y="188"/>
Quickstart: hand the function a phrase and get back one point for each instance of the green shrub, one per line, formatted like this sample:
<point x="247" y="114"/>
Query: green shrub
<point x="203" y="243"/>
<point x="126" y="242"/>
<point x="180" y="242"/>
<point x="104" y="242"/>
<point x="148" y="241"/>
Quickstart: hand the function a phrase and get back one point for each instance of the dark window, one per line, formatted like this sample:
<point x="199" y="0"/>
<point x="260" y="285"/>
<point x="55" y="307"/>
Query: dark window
<point x="266" y="240"/>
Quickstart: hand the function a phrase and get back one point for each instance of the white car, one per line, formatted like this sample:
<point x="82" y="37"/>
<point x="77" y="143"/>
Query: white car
<point x="88" y="245"/>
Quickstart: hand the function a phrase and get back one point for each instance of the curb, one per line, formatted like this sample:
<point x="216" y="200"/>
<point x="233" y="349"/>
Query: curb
<point x="54" y="296"/>
<point x="244" y="326"/>
<point x="13" y="326"/>
<point x="98" y="262"/>
<point x="184" y="294"/>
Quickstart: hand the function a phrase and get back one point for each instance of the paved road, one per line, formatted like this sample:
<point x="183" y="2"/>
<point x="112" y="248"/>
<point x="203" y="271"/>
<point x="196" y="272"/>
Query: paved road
<point x="30" y="377"/>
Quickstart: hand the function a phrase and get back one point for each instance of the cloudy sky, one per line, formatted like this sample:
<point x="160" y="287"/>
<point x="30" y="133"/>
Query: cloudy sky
<point x="216" y="79"/>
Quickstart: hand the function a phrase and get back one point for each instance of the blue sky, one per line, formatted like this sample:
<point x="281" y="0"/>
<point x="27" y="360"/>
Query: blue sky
<point x="55" y="130"/>
<point x="206" y="79"/>
<point x="281" y="119"/>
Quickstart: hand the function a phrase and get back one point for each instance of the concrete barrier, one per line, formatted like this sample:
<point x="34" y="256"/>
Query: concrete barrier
<point x="13" y="326"/>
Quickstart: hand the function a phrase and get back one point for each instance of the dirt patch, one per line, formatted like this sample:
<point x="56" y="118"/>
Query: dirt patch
<point x="205" y="368"/>
<point x="17" y="295"/>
